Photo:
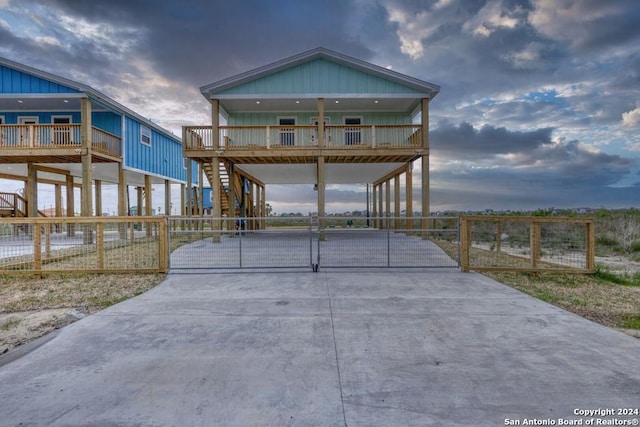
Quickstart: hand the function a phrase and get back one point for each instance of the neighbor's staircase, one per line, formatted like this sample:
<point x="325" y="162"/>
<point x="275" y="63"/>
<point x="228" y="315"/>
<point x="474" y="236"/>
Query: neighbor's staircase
<point x="13" y="205"/>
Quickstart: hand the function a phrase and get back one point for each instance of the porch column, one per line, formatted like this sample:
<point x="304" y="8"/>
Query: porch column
<point x="320" y="122"/>
<point x="98" y="191"/>
<point x="215" y="123"/>
<point x="148" y="202"/>
<point x="232" y="193"/>
<point x="396" y="201"/>
<point x="409" y="196"/>
<point x="183" y="190"/>
<point x="32" y="191"/>
<point x="87" y="180"/>
<point x="216" y="199"/>
<point x="426" y="208"/>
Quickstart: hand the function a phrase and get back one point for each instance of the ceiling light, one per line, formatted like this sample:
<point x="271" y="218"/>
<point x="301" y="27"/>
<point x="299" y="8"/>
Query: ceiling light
<point x="337" y="102"/>
<point x="257" y="102"/>
<point x="375" y="102"/>
<point x="297" y="102"/>
<point x="19" y="101"/>
<point x="66" y="101"/>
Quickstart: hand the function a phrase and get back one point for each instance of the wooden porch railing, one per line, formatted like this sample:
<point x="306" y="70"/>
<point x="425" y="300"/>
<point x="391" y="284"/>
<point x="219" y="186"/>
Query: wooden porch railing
<point x="52" y="136"/>
<point x="305" y="136"/>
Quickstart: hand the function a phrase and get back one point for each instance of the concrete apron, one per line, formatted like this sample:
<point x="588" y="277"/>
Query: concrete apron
<point x="333" y="348"/>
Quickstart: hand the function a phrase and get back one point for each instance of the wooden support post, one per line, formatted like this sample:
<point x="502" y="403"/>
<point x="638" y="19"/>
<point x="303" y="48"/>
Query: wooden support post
<point x="167" y="197"/>
<point x="163" y="250"/>
<point x="409" y="197"/>
<point x="100" y="245"/>
<point x="215" y="123"/>
<point x="189" y="196"/>
<point x="201" y="191"/>
<point x="183" y="190"/>
<point x="380" y="210"/>
<point x="590" y="247"/>
<point x="122" y="201"/>
<point x="534" y="241"/>
<point x="320" y="179"/>
<point x="465" y="244"/>
<point x="216" y="197"/>
<point x="148" y="202"/>
<point x="426" y="207"/>
<point x="37" y="247"/>
<point x="58" y="191"/>
<point x="47" y="240"/>
<point x="320" y="104"/>
<point x="86" y="147"/>
<point x="396" y="202"/>
<point x="499" y="236"/>
<point x="387" y="207"/>
<point x="98" y="191"/>
<point x="263" y="201"/>
<point x="374" y="192"/>
<point x="32" y="191"/>
<point x="71" y="227"/>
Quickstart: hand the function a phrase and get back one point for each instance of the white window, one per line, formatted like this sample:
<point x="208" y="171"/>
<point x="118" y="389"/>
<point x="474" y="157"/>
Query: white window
<point x="145" y="135"/>
<point x="1" y="120"/>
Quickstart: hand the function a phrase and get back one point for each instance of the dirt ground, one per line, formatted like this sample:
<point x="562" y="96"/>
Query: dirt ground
<point x="31" y="307"/>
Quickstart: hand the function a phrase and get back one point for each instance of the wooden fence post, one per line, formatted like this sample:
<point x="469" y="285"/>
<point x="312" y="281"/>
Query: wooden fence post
<point x="591" y="247"/>
<point x="465" y="241"/>
<point x="534" y="242"/>
<point x="100" y="244"/>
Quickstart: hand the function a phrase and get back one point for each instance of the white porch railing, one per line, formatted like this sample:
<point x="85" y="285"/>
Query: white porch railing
<point x="56" y="136"/>
<point x="336" y="136"/>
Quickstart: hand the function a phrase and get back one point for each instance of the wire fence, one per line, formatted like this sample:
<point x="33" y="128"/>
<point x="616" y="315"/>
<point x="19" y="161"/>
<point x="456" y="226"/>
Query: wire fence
<point x="527" y="243"/>
<point x="155" y="244"/>
<point x="82" y="245"/>
<point x="309" y="242"/>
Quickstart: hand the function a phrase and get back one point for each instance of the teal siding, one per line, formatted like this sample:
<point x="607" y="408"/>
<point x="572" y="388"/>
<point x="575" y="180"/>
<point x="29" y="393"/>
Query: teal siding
<point x="319" y="76"/>
<point x="369" y="118"/>
<point x="163" y="157"/>
<point x="13" y="81"/>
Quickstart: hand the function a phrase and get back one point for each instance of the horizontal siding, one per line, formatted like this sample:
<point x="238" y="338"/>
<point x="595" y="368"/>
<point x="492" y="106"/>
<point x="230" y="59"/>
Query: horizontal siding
<point x="369" y="118"/>
<point x="13" y="81"/>
<point x="163" y="157"/>
<point x="319" y="76"/>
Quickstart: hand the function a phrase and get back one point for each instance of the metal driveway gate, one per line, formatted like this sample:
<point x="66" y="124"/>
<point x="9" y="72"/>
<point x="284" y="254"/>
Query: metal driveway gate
<point x="313" y="243"/>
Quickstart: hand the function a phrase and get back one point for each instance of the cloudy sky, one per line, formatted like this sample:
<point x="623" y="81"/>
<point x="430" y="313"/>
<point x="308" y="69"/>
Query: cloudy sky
<point x="539" y="103"/>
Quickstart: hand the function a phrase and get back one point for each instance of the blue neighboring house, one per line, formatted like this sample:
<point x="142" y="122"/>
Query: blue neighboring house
<point x="57" y="131"/>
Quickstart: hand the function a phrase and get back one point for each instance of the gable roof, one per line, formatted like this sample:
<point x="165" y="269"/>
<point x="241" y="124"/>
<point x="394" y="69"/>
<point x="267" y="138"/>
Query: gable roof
<point x="83" y="89"/>
<point x="428" y="89"/>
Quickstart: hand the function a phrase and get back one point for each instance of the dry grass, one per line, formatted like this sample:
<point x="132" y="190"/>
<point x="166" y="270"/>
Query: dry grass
<point x="32" y="307"/>
<point x="607" y="297"/>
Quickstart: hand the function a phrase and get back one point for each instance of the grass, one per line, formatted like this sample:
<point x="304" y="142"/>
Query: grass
<point x="608" y="297"/>
<point x="90" y="292"/>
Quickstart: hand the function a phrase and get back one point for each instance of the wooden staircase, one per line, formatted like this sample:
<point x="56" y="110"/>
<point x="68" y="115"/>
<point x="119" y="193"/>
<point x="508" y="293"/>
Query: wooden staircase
<point x="223" y="169"/>
<point x="13" y="205"/>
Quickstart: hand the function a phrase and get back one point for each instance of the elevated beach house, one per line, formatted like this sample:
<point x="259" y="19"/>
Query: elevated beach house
<point x="61" y="132"/>
<point x="317" y="118"/>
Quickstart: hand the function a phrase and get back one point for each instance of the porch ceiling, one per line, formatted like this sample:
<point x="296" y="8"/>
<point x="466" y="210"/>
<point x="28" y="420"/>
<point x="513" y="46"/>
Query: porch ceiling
<point x="335" y="173"/>
<point x="29" y="103"/>
<point x="332" y="103"/>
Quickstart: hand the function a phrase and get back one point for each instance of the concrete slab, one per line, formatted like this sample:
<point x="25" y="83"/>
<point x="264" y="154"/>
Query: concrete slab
<point x="331" y="348"/>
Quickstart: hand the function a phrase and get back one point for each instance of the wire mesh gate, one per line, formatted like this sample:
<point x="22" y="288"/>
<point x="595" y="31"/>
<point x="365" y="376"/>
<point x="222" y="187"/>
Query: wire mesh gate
<point x="312" y="242"/>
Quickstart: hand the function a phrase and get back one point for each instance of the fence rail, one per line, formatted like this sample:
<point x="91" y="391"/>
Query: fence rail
<point x="154" y="244"/>
<point x="527" y="243"/>
<point x="83" y="245"/>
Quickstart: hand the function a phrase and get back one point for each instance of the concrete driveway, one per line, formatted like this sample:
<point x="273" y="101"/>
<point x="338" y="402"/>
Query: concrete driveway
<point x="334" y="348"/>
